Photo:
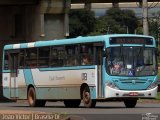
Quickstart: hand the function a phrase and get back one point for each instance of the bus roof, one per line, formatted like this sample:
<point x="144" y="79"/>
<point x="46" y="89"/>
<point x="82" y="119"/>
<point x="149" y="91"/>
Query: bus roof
<point x="79" y="39"/>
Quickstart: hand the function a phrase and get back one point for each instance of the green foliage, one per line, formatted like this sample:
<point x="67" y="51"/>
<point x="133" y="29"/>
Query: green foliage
<point x="123" y="20"/>
<point x="81" y="22"/>
<point x="154" y="25"/>
<point x="108" y="25"/>
<point x="117" y="21"/>
<point x="158" y="96"/>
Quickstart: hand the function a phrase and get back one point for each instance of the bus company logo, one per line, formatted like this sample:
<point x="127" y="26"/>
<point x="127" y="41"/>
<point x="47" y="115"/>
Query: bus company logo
<point x="149" y="116"/>
<point x="84" y="76"/>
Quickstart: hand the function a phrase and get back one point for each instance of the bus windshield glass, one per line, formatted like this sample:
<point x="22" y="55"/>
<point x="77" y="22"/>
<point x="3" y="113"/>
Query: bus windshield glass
<point x="131" y="61"/>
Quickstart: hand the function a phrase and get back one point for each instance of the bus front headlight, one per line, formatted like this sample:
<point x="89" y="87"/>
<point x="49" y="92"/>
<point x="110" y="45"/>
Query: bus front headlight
<point x="111" y="85"/>
<point x="153" y="85"/>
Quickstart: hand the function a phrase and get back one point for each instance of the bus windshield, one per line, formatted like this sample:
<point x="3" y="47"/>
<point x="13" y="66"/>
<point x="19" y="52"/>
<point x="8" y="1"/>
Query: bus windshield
<point x="131" y="61"/>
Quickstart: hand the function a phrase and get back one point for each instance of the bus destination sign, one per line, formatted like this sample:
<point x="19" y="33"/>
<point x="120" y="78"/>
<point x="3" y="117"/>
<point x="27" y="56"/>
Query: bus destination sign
<point x="131" y="40"/>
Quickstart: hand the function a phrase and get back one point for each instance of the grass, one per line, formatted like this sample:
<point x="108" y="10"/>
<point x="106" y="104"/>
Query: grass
<point x="158" y="96"/>
<point x="158" y="74"/>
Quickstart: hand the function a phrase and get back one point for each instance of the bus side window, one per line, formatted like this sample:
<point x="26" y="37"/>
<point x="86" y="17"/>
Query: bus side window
<point x="72" y="55"/>
<point x="6" y="61"/>
<point x="31" y="58"/>
<point x="43" y="56"/>
<point x="21" y="59"/>
<point x="58" y="56"/>
<point x="54" y="57"/>
<point x="86" y="53"/>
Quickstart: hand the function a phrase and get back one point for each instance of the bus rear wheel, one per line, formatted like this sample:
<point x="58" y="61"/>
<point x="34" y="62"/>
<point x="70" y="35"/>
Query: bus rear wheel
<point x="72" y="103"/>
<point x="130" y="103"/>
<point x="33" y="102"/>
<point x="86" y="97"/>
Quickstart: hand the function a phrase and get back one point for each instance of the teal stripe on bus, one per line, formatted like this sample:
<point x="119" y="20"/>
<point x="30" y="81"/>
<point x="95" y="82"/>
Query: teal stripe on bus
<point x="88" y="39"/>
<point x="71" y="41"/>
<point x="67" y="68"/>
<point x="24" y="45"/>
<point x="28" y="76"/>
<point x="6" y="71"/>
<point x="6" y="47"/>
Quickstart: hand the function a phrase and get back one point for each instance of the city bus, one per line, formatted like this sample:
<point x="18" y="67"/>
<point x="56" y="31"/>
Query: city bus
<point x="120" y="67"/>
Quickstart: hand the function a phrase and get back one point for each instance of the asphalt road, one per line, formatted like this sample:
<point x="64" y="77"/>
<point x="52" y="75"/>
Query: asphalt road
<point x="103" y="111"/>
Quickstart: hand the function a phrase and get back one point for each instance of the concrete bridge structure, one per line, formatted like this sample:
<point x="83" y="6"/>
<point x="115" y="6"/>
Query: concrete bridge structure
<point x="32" y="20"/>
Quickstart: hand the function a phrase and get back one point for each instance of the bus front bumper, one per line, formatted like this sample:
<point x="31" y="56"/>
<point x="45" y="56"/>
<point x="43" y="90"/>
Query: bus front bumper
<point x="115" y="93"/>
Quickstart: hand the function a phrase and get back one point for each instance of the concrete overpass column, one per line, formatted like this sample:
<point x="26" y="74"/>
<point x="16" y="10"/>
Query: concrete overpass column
<point x="88" y="5"/>
<point x="145" y="17"/>
<point x="54" y="19"/>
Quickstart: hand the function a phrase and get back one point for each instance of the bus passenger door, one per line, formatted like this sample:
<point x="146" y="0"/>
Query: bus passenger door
<point x="14" y="73"/>
<point x="99" y="61"/>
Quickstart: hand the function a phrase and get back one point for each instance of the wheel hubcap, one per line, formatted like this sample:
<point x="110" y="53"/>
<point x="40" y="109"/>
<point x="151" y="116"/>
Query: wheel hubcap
<point x="86" y="97"/>
<point x="31" y="97"/>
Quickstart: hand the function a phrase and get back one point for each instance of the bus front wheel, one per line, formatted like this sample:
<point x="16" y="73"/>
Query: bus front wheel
<point x="130" y="103"/>
<point x="33" y="102"/>
<point x="86" y="97"/>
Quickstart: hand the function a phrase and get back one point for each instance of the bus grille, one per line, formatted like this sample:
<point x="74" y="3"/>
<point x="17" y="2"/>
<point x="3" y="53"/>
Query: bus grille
<point x="132" y="81"/>
<point x="132" y="84"/>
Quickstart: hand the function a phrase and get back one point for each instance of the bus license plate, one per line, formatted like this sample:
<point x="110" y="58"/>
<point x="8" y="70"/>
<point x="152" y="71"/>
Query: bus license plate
<point x="133" y="94"/>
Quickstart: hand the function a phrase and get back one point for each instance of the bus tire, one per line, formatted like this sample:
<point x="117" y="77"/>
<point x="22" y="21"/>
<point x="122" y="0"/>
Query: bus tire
<point x="86" y="97"/>
<point x="33" y="102"/>
<point x="130" y="103"/>
<point x="72" y="103"/>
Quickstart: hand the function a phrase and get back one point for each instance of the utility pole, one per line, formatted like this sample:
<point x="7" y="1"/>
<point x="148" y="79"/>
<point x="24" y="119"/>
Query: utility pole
<point x="127" y="29"/>
<point x="145" y="17"/>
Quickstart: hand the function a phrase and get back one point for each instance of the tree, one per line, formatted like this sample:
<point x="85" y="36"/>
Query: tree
<point x="116" y="21"/>
<point x="81" y="22"/>
<point x="154" y="25"/>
